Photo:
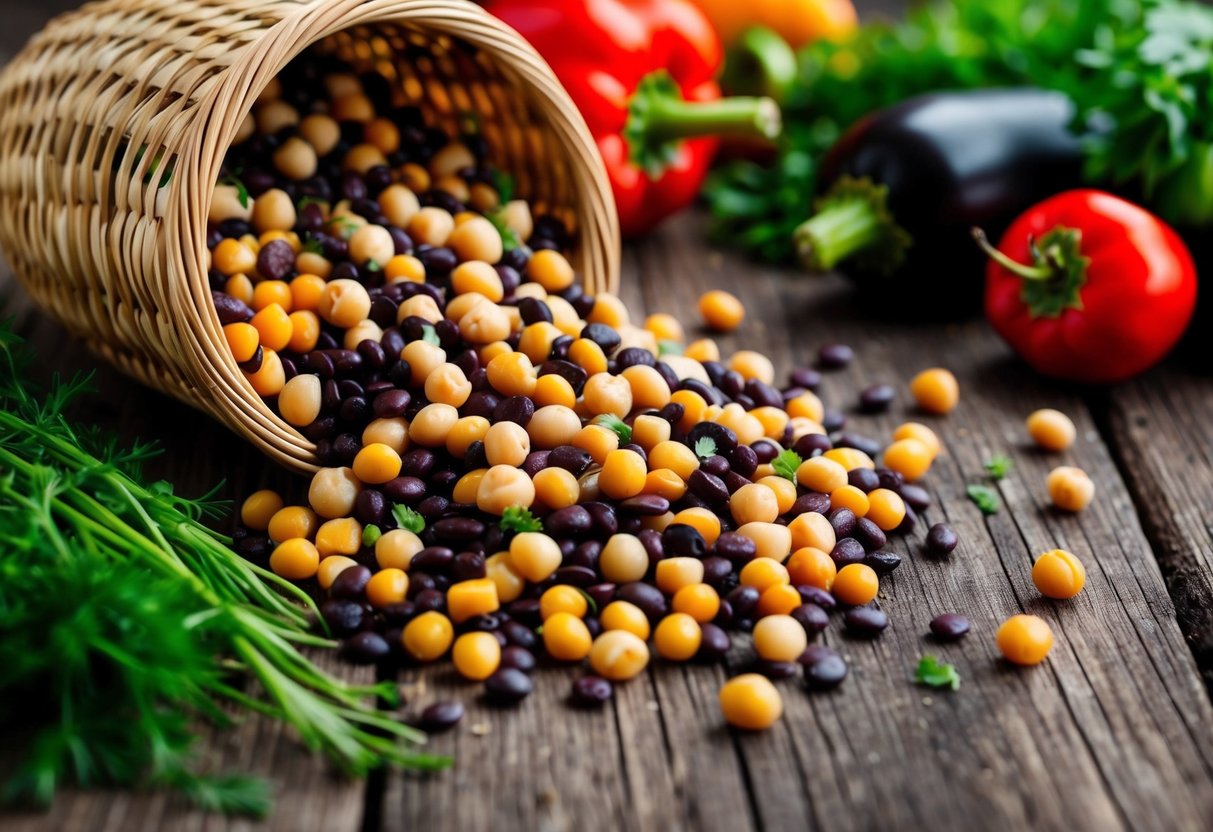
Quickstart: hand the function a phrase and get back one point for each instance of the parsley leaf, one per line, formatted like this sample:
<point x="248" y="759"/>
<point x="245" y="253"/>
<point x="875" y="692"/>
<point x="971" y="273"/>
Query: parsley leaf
<point x="430" y="335"/>
<point x="519" y="519"/>
<point x="985" y="498"/>
<point x="936" y="674"/>
<point x="509" y="237"/>
<point x="612" y="422"/>
<point x="407" y="518"/>
<point x="786" y="463"/>
<point x="998" y="466"/>
<point x="705" y="446"/>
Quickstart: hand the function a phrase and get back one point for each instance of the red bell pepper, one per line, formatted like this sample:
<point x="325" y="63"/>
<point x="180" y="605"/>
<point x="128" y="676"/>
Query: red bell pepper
<point x="642" y="72"/>
<point x="1088" y="287"/>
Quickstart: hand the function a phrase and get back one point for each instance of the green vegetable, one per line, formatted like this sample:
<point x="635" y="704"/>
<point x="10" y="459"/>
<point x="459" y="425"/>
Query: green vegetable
<point x="371" y="534"/>
<point x="430" y="335"/>
<point x="124" y="620"/>
<point x="705" y="446"/>
<point x="407" y="518"/>
<point x="786" y="464"/>
<point x="985" y="498"/>
<point x="930" y="671"/>
<point x="667" y="347"/>
<point x="998" y="466"/>
<point x="242" y="193"/>
<point x="519" y="519"/>
<point x="612" y="422"/>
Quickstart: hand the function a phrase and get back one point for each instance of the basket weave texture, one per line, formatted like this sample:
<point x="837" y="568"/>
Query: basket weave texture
<point x="114" y="121"/>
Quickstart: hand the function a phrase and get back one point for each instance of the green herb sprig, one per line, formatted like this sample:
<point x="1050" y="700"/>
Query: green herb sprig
<point x="519" y="519"/>
<point x="786" y="464"/>
<point x="934" y="673"/>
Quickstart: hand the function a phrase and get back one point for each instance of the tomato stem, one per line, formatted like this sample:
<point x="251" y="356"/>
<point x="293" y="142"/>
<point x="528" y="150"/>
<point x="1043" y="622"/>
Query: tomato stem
<point x="1021" y="269"/>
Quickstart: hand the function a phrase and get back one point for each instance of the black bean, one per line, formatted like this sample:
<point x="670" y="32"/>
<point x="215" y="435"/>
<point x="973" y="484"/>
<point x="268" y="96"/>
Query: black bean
<point x="276" y="260"/>
<point x="775" y="670"/>
<point x="520" y="635"/>
<point x="883" y="563"/>
<point x="507" y="686"/>
<point x="811" y="502"/>
<point x="370" y="507"/>
<point x="846" y="551"/>
<point x="646" y="505"/>
<point x="682" y="540"/>
<point x="915" y="496"/>
<point x="516" y="409"/>
<point x="419" y="582"/>
<point x="714" y="643"/>
<point x="949" y="626"/>
<point x="744" y="600"/>
<point x="723" y="440"/>
<point x="458" y="529"/>
<point x="869" y="535"/>
<point x="941" y="540"/>
<point x="672" y="412"/>
<point x="603" y="515"/>
<point x="876" y="398"/>
<point x="254" y="363"/>
<point x="716" y="465"/>
<point x="805" y="377"/>
<point x="866" y="621"/>
<point x="833" y="420"/>
<point x="817" y="595"/>
<point x="834" y="356"/>
<point x="708" y="487"/>
<point x="865" y="479"/>
<point x="591" y="692"/>
<point x="570" y="458"/>
<point x="467" y="566"/>
<point x="417" y="463"/>
<point x="365" y="648"/>
<point x="229" y="309"/>
<point x="602" y="335"/>
<point x="812" y="617"/>
<point x="824" y="669"/>
<point x="475" y="457"/>
<point x="441" y="716"/>
<point x="743" y="460"/>
<point x="843" y="520"/>
<point x="533" y="310"/>
<point x="908" y="522"/>
<point x="430" y="600"/>
<point x="518" y="658"/>
<point x="634" y="356"/>
<point x="570" y="521"/>
<point x="343" y="617"/>
<point x="735" y="547"/>
<point x="391" y="403"/>
<point x="351" y="583"/>
<point x="535" y="462"/>
<point x="399" y="614"/>
<point x="716" y="570"/>
<point x="734" y="481"/>
<point x="578" y="576"/>
<point x="765" y="450"/>
<point x="601" y="594"/>
<point x="890" y="479"/>
<point x="645" y="596"/>
<point x="406" y="490"/>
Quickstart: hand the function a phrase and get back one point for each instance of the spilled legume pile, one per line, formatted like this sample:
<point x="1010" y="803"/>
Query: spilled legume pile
<point x="513" y="467"/>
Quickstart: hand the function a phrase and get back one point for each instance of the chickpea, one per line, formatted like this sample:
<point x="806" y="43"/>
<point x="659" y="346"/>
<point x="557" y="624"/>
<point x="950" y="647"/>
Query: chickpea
<point x="296" y="159"/>
<point x="395" y="549"/>
<point x="1025" y="639"/>
<point x="588" y="356"/>
<point x="856" y="584"/>
<point x="821" y="474"/>
<point x="566" y="637"/>
<point x="485" y="323"/>
<point x="550" y="270"/>
<point x="605" y="393"/>
<point x="1058" y="574"/>
<point x="598" y="441"/>
<point x="648" y="387"/>
<point x="702" y="349"/>
<point x="734" y="417"/>
<point x="750" y="702"/>
<point x="699" y="601"/>
<point x="259" y="508"/>
<point x="665" y="483"/>
<point x="344" y="303"/>
<point x="886" y="509"/>
<point x="478" y="276"/>
<point x="274" y="327"/>
<point x="779" y="638"/>
<point x="387" y="587"/>
<point x="807" y="405"/>
<point x="331" y="567"/>
<point x="556" y="488"/>
<point x="476" y="239"/>
<point x="754" y="503"/>
<point x="471" y="598"/>
<point x="504" y="486"/>
<point x="321" y="132"/>
<point x="428" y="636"/>
<point x="399" y="205"/>
<point x="621" y="615"/>
<point x="672" y="574"/>
<point x="762" y="573"/>
<point x="1070" y="488"/>
<point x="534" y="555"/>
<point x="1051" y="429"/>
<point x="677" y="637"/>
<point x="908" y="457"/>
<point x="919" y="431"/>
<point x="554" y="425"/>
<point x="431" y="226"/>
<point x="476" y="655"/>
<point x="507" y="443"/>
<point x="850" y="497"/>
<point x="562" y="598"/>
<point x="271" y="378"/>
<point x="936" y="390"/>
<point x="508" y="582"/>
<point x="850" y="458"/>
<point x="753" y="365"/>
<point x="468" y="487"/>
<point x="721" y="311"/>
<point x="553" y="389"/>
<point x="619" y="655"/>
<point x="274" y="211"/>
<point x="352" y="106"/>
<point x="812" y="529"/>
<point x="340" y="536"/>
<point x="274" y="116"/>
<point x="623" y="474"/>
<point x="226" y="204"/>
<point x="391" y="432"/>
<point x="362" y="157"/>
<point x="243" y="340"/>
<point x="513" y="374"/>
<point x="432" y="424"/>
<point x="232" y="257"/>
<point x="295" y="559"/>
<point x="702" y="520"/>
<point x="239" y="287"/>
<point x="447" y="384"/>
<point x="649" y="431"/>
<point x="517" y="217"/>
<point x="292" y="521"/>
<point x="333" y="491"/>
<point x="675" y="456"/>
<point x="376" y="464"/>
<point x="623" y="559"/>
<point x="372" y="244"/>
<point x="451" y="159"/>
<point x="423" y="358"/>
<point x="810" y="566"/>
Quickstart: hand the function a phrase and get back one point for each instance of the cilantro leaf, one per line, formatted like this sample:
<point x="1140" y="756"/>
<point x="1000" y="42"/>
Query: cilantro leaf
<point x="407" y="518"/>
<point x="509" y="237"/>
<point x="612" y="422"/>
<point x="930" y="671"/>
<point x="998" y="466"/>
<point x="705" y="446"/>
<point x="786" y="464"/>
<point x="985" y="498"/>
<point x="519" y="519"/>
<point x="430" y="335"/>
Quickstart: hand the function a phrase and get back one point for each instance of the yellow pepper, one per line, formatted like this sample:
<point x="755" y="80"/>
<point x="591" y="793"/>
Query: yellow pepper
<point x="798" y="21"/>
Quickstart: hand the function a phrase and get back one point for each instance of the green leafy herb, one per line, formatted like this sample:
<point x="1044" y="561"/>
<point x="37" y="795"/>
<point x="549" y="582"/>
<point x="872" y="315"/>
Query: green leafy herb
<point x="613" y="423"/>
<point x="786" y="464"/>
<point x="313" y="246"/>
<point x="503" y="184"/>
<point x="930" y="671"/>
<point x="430" y="335"/>
<point x="124" y="620"/>
<point x="985" y="498"/>
<point x="667" y="347"/>
<point x="519" y="519"/>
<point x="373" y="266"/>
<point x="509" y="237"/>
<point x="589" y="601"/>
<point x="705" y="446"/>
<point x="998" y="466"/>
<point x="407" y="518"/>
<point x="371" y="534"/>
<point x="242" y="193"/>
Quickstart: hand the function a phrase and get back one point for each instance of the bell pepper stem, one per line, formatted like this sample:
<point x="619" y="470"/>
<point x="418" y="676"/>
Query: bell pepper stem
<point x="1021" y="269"/>
<point x="852" y="221"/>
<point x="760" y="63"/>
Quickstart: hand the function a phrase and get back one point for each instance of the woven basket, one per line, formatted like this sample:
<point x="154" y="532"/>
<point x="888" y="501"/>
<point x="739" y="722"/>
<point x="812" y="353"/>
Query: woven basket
<point x="106" y="101"/>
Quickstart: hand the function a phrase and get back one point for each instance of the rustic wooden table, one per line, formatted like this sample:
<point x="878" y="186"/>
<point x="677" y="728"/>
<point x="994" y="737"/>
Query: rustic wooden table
<point x="1115" y="731"/>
